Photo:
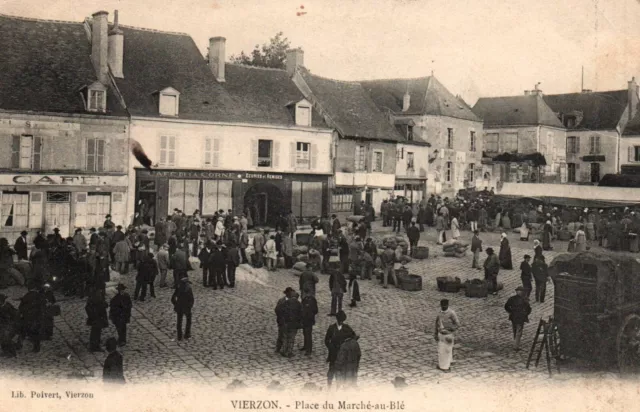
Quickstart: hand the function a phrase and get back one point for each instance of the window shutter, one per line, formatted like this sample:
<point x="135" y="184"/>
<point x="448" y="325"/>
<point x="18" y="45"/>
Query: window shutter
<point x="207" y="155"/>
<point x="91" y="155"/>
<point x="171" y="158"/>
<point x="37" y="152"/>
<point x="163" y="150"/>
<point x="100" y="150"/>
<point x="215" y="156"/>
<point x="292" y="154"/>
<point x="254" y="153"/>
<point x="631" y="154"/>
<point x="276" y="154"/>
<point x="313" y="156"/>
<point x="15" y="151"/>
<point x="598" y="144"/>
<point x="577" y="144"/>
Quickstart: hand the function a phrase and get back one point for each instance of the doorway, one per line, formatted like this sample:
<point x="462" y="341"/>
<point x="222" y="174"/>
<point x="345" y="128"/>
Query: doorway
<point x="264" y="203"/>
<point x="146" y="207"/>
<point x="58" y="212"/>
<point x="595" y="172"/>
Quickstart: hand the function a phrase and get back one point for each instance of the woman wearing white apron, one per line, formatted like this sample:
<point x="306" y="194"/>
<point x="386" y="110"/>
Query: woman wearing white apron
<point x="446" y="324"/>
<point x="455" y="228"/>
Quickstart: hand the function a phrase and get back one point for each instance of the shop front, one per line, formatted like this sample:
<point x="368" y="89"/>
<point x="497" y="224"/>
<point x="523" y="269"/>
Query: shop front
<point x="262" y="195"/>
<point x="413" y="190"/>
<point x="34" y="202"/>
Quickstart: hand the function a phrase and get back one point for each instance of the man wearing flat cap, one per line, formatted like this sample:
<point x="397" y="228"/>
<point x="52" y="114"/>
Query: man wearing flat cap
<point x="120" y="313"/>
<point x="518" y="309"/>
<point x="281" y="318"/>
<point x="21" y="246"/>
<point x="183" y="300"/>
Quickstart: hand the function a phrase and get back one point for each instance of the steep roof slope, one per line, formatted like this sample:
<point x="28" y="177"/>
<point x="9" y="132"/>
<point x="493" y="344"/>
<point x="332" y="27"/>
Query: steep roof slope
<point x="516" y="110"/>
<point x="600" y="110"/>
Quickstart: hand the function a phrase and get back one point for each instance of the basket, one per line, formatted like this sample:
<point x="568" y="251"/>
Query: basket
<point x="445" y="284"/>
<point x="410" y="283"/>
<point x="422" y="252"/>
<point x="476" y="289"/>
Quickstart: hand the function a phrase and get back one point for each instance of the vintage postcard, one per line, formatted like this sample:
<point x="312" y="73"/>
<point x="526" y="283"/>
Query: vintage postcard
<point x="390" y="205"/>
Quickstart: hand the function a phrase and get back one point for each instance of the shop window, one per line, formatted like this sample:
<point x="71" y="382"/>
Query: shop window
<point x="509" y="143"/>
<point x="594" y="145"/>
<point x="147" y="186"/>
<point x="491" y="142"/>
<point x="399" y="186"/>
<point x="15" y="209"/>
<point x="26" y="152"/>
<point x="264" y="153"/>
<point x="472" y="141"/>
<point x="167" y="151"/>
<point x="410" y="164"/>
<point x="98" y="206"/>
<point x="216" y="195"/>
<point x="306" y="198"/>
<point x="303" y="158"/>
<point x="634" y="154"/>
<point x="342" y="199"/>
<point x="449" y="138"/>
<point x="95" y="155"/>
<point x="378" y="161"/>
<point x="184" y="195"/>
<point x="449" y="172"/>
<point x="360" y="158"/>
<point x="573" y="145"/>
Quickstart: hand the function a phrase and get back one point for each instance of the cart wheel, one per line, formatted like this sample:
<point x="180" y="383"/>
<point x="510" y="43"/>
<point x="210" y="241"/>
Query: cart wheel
<point x="628" y="345"/>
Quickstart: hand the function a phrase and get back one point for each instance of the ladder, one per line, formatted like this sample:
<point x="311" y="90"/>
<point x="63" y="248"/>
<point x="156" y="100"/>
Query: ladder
<point x="546" y="340"/>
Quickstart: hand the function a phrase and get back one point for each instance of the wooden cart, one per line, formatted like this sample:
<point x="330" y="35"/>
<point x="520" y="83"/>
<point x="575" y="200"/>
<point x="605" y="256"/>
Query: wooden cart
<point x="597" y="308"/>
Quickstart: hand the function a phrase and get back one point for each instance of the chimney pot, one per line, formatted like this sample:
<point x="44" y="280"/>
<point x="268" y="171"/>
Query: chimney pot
<point x="116" y="48"/>
<point x="100" y="46"/>
<point x="527" y="92"/>
<point x="406" y="102"/>
<point x="295" y="59"/>
<point x="217" y="57"/>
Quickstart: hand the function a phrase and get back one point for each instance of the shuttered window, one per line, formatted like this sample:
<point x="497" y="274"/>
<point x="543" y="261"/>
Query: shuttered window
<point x="167" y="151"/>
<point x="212" y="152"/>
<point x="26" y="152"/>
<point x="594" y="145"/>
<point x="95" y="155"/>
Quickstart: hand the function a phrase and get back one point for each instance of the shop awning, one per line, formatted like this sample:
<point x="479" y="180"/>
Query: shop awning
<point x="411" y="180"/>
<point x="537" y="159"/>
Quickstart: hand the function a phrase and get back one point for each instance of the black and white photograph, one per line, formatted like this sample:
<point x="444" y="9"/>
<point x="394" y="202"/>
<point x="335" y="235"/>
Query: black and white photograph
<point x="397" y="205"/>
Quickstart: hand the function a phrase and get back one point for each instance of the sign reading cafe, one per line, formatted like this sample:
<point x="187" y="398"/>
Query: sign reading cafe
<point x="71" y="180"/>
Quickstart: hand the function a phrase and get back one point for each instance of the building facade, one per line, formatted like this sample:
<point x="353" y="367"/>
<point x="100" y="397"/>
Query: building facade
<point x="65" y="136"/>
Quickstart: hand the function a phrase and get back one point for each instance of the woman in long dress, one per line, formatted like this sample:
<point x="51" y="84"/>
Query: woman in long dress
<point x="581" y="240"/>
<point x="524" y="232"/>
<point x="455" y="228"/>
<point x="505" y="253"/>
<point x="537" y="250"/>
<point x="547" y="231"/>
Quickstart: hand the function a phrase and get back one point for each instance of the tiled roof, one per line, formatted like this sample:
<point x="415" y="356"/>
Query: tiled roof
<point x="155" y="60"/>
<point x="600" y="110"/>
<point x="348" y="107"/>
<point x="427" y="97"/>
<point x="633" y="127"/>
<point x="264" y="94"/>
<point x="515" y="111"/>
<point x="43" y="66"/>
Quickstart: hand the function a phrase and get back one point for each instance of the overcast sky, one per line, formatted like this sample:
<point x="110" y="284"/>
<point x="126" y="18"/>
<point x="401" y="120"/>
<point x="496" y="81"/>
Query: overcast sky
<point x="475" y="47"/>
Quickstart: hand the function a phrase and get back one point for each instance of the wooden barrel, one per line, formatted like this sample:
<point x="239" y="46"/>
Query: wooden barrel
<point x="422" y="252"/>
<point x="410" y="283"/>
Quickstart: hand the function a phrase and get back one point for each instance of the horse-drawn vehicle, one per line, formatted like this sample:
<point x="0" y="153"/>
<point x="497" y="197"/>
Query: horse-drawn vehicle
<point x="597" y="308"/>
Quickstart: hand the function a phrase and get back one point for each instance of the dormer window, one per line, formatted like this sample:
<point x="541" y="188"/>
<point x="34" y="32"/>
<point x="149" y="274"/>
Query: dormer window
<point x="303" y="113"/>
<point x="95" y="97"/>
<point x="168" y="102"/>
<point x="410" y="133"/>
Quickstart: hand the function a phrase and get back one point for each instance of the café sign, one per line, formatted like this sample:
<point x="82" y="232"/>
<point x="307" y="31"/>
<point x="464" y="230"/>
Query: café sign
<point x="69" y="180"/>
<point x="204" y="174"/>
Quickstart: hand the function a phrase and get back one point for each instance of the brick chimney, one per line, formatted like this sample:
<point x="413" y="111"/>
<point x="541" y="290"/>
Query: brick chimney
<point x="632" y="98"/>
<point x="406" y="101"/>
<point x="536" y="91"/>
<point x="295" y="59"/>
<point x="217" y="57"/>
<point x="116" y="48"/>
<point x="100" y="46"/>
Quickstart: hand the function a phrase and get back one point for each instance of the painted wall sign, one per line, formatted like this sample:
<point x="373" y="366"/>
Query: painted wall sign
<point x="204" y="174"/>
<point x="71" y="180"/>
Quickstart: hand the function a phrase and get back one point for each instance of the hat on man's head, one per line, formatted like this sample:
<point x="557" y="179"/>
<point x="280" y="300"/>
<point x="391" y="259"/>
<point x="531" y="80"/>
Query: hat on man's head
<point x="341" y="316"/>
<point x="489" y="250"/>
<point x="118" y="227"/>
<point x="93" y="229"/>
<point x="120" y="287"/>
<point x="56" y="230"/>
<point x="107" y="217"/>
<point x="288" y="290"/>
<point x="520" y="289"/>
<point x="527" y="257"/>
<point x="79" y="229"/>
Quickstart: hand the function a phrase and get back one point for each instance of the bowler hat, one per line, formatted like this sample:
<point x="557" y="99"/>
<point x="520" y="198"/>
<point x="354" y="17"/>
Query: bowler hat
<point x="23" y="233"/>
<point x="519" y="289"/>
<point x="527" y="257"/>
<point x="118" y="227"/>
<point x="56" y="230"/>
<point x="120" y="287"/>
<point x="288" y="290"/>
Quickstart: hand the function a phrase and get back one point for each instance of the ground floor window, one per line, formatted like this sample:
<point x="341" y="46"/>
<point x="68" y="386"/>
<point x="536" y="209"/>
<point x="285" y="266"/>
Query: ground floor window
<point x="98" y="206"/>
<point x="595" y="171"/>
<point x="306" y="198"/>
<point x="184" y="195"/>
<point x="342" y="199"/>
<point x="15" y="209"/>
<point x="216" y="195"/>
<point x="571" y="172"/>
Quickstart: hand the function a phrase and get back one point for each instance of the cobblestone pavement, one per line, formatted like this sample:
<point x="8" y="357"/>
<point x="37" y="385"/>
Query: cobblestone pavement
<point x="234" y="331"/>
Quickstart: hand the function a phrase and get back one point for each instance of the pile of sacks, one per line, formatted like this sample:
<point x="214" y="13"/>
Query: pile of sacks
<point x="455" y="248"/>
<point x="395" y="241"/>
<point x="306" y="258"/>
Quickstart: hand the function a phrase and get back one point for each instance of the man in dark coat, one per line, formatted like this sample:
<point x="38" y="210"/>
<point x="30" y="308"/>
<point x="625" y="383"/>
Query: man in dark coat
<point x="183" y="301"/>
<point x="476" y="248"/>
<point x="519" y="309"/>
<point x="21" y="246"/>
<point x="540" y="275"/>
<point x="113" y="370"/>
<point x="96" y="309"/>
<point x="307" y="283"/>
<point x="348" y="362"/>
<point x="204" y="255"/>
<point x="292" y="321"/>
<point x="161" y="233"/>
<point x="413" y="233"/>
<point x="147" y="272"/>
<point x="309" y="312"/>
<point x="232" y="261"/>
<point x="525" y="275"/>
<point x="407" y="215"/>
<point x="9" y="322"/>
<point x="343" y="245"/>
<point x="491" y="269"/>
<point x="335" y="336"/>
<point x="280" y="318"/>
<point x="32" y="307"/>
<point x="217" y="266"/>
<point x="180" y="266"/>
<point x="335" y="225"/>
<point x="338" y="287"/>
<point x="120" y="313"/>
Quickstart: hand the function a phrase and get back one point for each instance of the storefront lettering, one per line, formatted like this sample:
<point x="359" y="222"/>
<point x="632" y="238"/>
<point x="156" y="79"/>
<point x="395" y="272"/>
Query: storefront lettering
<point x="55" y="180"/>
<point x="262" y="176"/>
<point x="211" y="175"/>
